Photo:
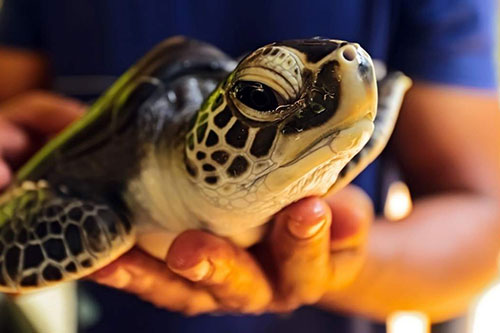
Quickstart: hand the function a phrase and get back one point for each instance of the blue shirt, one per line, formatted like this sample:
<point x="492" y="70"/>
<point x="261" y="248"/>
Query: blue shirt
<point x="91" y="42"/>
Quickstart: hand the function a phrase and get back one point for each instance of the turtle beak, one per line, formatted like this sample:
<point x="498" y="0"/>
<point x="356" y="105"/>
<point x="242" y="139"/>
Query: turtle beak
<point x="358" y="90"/>
<point x="352" y="56"/>
<point x="345" y="88"/>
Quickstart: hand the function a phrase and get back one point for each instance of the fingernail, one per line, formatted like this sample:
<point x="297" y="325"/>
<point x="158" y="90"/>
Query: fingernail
<point x="198" y="272"/>
<point x="302" y="230"/>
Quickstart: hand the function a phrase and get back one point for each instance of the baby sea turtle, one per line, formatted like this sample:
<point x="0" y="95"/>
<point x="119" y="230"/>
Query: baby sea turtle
<point x="292" y="119"/>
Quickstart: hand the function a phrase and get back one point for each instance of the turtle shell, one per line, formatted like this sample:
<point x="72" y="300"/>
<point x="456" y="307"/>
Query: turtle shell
<point x="109" y="129"/>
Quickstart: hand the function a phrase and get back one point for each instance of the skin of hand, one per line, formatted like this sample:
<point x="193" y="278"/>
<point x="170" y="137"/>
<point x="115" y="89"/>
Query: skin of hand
<point x="28" y="115"/>
<point x="446" y="252"/>
<point x="435" y="261"/>
<point x="27" y="121"/>
<point x="204" y="273"/>
<point x="228" y="278"/>
<point x="21" y="71"/>
<point x="296" y="264"/>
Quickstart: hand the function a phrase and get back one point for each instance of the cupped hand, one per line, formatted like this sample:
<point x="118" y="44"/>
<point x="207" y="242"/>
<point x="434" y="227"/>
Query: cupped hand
<point x="315" y="246"/>
<point x="27" y="121"/>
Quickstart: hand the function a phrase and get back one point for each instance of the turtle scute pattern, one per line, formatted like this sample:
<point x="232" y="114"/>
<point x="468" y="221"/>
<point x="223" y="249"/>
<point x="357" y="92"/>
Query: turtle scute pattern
<point x="46" y="238"/>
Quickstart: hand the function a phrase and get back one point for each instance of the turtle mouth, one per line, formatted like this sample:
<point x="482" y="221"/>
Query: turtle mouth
<point x="333" y="150"/>
<point x="319" y="143"/>
<point x="327" y="139"/>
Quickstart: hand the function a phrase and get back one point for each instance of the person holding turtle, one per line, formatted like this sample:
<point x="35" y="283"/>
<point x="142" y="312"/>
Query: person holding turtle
<point x="435" y="261"/>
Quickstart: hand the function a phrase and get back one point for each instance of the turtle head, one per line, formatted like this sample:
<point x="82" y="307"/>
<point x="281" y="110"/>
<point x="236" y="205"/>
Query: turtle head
<point x="283" y="123"/>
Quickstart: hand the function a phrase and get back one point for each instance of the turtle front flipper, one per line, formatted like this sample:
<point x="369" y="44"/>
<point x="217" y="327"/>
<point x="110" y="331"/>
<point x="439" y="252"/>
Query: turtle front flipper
<point x="46" y="238"/>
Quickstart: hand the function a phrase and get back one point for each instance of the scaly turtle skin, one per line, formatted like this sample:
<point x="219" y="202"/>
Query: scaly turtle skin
<point x="147" y="162"/>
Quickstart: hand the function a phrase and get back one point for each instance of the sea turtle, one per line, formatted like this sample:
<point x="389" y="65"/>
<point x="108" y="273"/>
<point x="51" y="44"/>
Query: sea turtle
<point x="148" y="162"/>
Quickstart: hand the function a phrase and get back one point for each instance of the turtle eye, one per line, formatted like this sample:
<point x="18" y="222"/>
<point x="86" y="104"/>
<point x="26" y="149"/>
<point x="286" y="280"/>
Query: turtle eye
<point x="256" y="95"/>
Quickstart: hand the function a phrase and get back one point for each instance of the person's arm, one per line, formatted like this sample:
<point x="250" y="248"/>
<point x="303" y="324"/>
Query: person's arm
<point x="23" y="66"/>
<point x="28" y="112"/>
<point x="440" y="257"/>
<point x="21" y="71"/>
<point x="435" y="261"/>
<point x="26" y="122"/>
<point x="235" y="280"/>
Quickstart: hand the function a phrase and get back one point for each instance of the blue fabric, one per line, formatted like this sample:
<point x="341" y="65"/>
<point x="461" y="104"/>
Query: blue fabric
<point x="446" y="41"/>
<point x="120" y="313"/>
<point x="441" y="41"/>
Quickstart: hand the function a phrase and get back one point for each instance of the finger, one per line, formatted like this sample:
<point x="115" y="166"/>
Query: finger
<point x="228" y="272"/>
<point x="14" y="142"/>
<point x="148" y="278"/>
<point x="299" y="243"/>
<point x="353" y="213"/>
<point x="45" y="113"/>
<point x="5" y="175"/>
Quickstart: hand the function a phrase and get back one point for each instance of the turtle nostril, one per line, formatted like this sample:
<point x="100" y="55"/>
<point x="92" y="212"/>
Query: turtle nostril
<point x="349" y="53"/>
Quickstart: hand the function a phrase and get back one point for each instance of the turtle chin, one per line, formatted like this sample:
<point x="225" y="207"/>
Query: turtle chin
<point x="316" y="169"/>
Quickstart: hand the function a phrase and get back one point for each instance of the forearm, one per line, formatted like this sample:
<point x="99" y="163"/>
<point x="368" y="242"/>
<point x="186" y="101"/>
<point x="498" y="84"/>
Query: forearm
<point x="430" y="262"/>
<point x="21" y="71"/>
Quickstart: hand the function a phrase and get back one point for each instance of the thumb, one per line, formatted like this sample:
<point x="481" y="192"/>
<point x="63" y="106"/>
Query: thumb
<point x="353" y="213"/>
<point x="352" y="216"/>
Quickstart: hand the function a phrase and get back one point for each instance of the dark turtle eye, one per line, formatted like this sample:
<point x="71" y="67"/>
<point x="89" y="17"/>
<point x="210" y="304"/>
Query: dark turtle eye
<point x="256" y="95"/>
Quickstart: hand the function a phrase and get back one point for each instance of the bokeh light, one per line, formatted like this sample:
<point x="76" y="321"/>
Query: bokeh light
<point x="407" y="322"/>
<point x="486" y="314"/>
<point x="51" y="310"/>
<point x="398" y="204"/>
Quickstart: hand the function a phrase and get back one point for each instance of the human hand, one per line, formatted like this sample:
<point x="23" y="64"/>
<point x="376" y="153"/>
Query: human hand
<point x="27" y="121"/>
<point x="304" y="256"/>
